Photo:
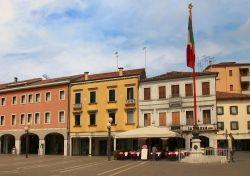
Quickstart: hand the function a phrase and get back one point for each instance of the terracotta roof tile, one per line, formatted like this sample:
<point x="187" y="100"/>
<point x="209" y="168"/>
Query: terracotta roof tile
<point x="228" y="64"/>
<point x="230" y="96"/>
<point x="175" y="75"/>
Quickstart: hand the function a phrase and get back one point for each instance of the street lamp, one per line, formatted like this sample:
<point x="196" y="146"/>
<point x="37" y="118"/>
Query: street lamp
<point x="26" y="129"/>
<point x="109" y="138"/>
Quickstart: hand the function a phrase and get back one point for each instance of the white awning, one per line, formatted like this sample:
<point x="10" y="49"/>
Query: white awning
<point x="148" y="132"/>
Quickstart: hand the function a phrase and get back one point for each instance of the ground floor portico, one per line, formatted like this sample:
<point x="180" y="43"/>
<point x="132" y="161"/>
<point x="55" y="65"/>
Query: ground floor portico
<point x="40" y="141"/>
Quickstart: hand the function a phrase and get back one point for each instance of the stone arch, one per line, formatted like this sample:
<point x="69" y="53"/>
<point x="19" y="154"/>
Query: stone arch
<point x="33" y="143"/>
<point x="54" y="144"/>
<point x="7" y="143"/>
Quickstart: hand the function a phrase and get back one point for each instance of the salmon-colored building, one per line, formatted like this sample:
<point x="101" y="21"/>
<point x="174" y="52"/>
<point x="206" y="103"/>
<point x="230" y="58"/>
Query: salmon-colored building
<point x="40" y="105"/>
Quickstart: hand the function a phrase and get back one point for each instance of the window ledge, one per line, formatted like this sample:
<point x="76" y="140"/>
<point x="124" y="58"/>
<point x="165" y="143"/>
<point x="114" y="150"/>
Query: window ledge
<point x="112" y="101"/>
<point x="92" y="125"/>
<point x="130" y="123"/>
<point x="113" y="124"/>
<point x="77" y="126"/>
<point x="93" y="103"/>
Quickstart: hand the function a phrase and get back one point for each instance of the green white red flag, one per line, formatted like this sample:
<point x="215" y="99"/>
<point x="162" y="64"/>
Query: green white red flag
<point x="190" y="42"/>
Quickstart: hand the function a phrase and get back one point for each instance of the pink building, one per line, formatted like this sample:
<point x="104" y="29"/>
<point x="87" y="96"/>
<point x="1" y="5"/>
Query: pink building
<point x="40" y="105"/>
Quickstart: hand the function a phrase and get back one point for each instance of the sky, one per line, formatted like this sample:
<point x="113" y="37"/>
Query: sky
<point x="62" y="37"/>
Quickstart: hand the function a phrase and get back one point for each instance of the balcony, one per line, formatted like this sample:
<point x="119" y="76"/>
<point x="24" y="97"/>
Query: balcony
<point x="175" y="101"/>
<point x="78" y="106"/>
<point x="130" y="102"/>
<point x="245" y="78"/>
<point x="175" y="127"/>
<point x="204" y="127"/>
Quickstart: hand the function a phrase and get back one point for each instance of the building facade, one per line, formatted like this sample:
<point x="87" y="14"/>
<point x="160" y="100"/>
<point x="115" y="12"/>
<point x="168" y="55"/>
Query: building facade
<point x="232" y="77"/>
<point x="233" y="113"/>
<point x="40" y="105"/>
<point x="167" y="101"/>
<point x="95" y="98"/>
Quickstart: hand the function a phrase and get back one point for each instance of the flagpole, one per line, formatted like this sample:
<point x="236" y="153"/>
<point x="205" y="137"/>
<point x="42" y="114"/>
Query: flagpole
<point x="195" y="108"/>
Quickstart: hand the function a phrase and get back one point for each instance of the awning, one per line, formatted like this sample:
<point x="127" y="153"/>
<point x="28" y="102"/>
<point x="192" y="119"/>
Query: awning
<point x="148" y="132"/>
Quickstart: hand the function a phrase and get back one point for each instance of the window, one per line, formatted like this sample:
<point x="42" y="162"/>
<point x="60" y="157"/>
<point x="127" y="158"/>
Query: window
<point x="248" y="125"/>
<point x="61" y="95"/>
<point x="23" y="99"/>
<point x="3" y="101"/>
<point x="61" y="117"/>
<point x="176" y="118"/>
<point x="77" y="119"/>
<point x="92" y="119"/>
<point x="13" y="119"/>
<point x="231" y="87"/>
<point x="78" y="98"/>
<point x="175" y="90"/>
<point x="48" y="96"/>
<point x="220" y="125"/>
<point x="162" y="118"/>
<point x="37" y="118"/>
<point x="47" y="118"/>
<point x="130" y="116"/>
<point x="205" y="88"/>
<point x="234" y="125"/>
<point x="112" y="115"/>
<point x="111" y="95"/>
<point x="233" y="110"/>
<point x="147" y="119"/>
<point x="14" y="100"/>
<point x="248" y="109"/>
<point x="130" y="93"/>
<point x="37" y="97"/>
<point x="189" y="90"/>
<point x="162" y="92"/>
<point x="1" y="120"/>
<point x="29" y="121"/>
<point x="147" y="95"/>
<point x="206" y="117"/>
<point x="220" y="110"/>
<point x="92" y="97"/>
<point x="22" y="119"/>
<point x="189" y="117"/>
<point x="30" y="98"/>
<point x="230" y="72"/>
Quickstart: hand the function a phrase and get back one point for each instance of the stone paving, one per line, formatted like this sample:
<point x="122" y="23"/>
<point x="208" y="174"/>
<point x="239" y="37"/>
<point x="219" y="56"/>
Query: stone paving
<point x="99" y="166"/>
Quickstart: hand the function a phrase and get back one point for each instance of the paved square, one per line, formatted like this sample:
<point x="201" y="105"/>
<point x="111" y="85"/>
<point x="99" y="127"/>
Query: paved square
<point x="99" y="166"/>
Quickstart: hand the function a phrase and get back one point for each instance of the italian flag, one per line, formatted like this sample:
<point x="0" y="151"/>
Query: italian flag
<point x="190" y="43"/>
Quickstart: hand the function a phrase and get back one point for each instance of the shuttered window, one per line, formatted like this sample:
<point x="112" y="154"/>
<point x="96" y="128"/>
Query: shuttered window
<point x="146" y="93"/>
<point x="162" y="92"/>
<point x="205" y="88"/>
<point x="162" y="119"/>
<point x="206" y="117"/>
<point x="189" y="90"/>
<point x="175" y="118"/>
<point x="147" y="119"/>
<point x="175" y="90"/>
<point x="189" y="117"/>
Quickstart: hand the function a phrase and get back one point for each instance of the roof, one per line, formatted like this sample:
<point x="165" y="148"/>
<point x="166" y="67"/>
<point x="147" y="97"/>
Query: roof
<point x="108" y="75"/>
<point x="175" y="75"/>
<point x="228" y="64"/>
<point x="231" y="96"/>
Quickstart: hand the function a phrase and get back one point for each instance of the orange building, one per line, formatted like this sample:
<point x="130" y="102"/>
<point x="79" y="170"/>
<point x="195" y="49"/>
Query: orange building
<point x="232" y="77"/>
<point x="40" y="105"/>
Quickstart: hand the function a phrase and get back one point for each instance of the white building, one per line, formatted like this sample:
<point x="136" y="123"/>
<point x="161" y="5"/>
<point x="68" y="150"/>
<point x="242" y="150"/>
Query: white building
<point x="167" y="100"/>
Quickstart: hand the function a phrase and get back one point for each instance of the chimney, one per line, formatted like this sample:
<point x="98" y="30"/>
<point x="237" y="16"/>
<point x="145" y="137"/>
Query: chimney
<point x="15" y="79"/>
<point x="86" y="75"/>
<point x="120" y="69"/>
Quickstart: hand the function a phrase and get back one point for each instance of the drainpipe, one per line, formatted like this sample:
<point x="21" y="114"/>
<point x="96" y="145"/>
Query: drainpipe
<point x="68" y="121"/>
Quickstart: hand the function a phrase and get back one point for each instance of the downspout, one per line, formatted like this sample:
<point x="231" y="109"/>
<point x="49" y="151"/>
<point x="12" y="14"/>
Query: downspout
<point x="68" y="121"/>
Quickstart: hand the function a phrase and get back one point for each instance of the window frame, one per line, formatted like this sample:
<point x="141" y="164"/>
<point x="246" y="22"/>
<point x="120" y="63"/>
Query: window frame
<point x="248" y="125"/>
<point x="231" y="125"/>
<point x="206" y="91"/>
<point x="217" y="112"/>
<point x="13" y="115"/>
<point x="127" y="117"/>
<point x="28" y="118"/>
<point x="3" y="103"/>
<point x="189" y="117"/>
<point x="109" y="91"/>
<point x="50" y="96"/>
<point x="147" y="96"/>
<point x="32" y="98"/>
<point x="163" y="95"/>
<point x="80" y="98"/>
<point x="114" y="118"/>
<point x="38" y="101"/>
<point x="92" y="93"/>
<point x="231" y="112"/>
<point x="128" y="95"/>
<point x="248" y="109"/>
<point x="59" y="117"/>
<point x="48" y="112"/>
<point x="174" y="89"/>
<point x="39" y="117"/>
<point x="12" y="102"/>
<point x="24" y="119"/>
<point x="187" y="93"/>
<point x="63" y="95"/>
<point x="90" y="117"/>
<point x="2" y="116"/>
<point x="77" y="114"/>
<point x="222" y="126"/>
<point x="21" y="99"/>
<point x="210" y="120"/>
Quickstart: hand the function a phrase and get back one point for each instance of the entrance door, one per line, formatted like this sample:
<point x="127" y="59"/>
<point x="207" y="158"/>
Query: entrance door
<point x="103" y="147"/>
<point x="176" y="118"/>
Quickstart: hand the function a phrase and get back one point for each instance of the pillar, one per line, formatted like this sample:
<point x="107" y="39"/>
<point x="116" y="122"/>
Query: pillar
<point x="114" y="144"/>
<point x="70" y="146"/>
<point x="17" y="145"/>
<point x="90" y="146"/>
<point x="65" y="147"/>
<point x="187" y="142"/>
<point x="41" y="150"/>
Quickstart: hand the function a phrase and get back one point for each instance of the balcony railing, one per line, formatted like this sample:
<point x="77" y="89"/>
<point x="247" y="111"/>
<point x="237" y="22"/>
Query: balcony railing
<point x="130" y="101"/>
<point x="78" y="106"/>
<point x="175" y="127"/>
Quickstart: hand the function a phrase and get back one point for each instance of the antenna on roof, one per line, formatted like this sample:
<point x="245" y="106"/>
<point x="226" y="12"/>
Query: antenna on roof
<point x="205" y="61"/>
<point x="45" y="76"/>
<point x="145" y="53"/>
<point x="116" y="54"/>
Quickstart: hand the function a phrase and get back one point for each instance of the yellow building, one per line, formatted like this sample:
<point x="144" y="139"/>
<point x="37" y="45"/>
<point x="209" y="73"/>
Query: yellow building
<point x="232" y="77"/>
<point x="94" y="99"/>
<point x="233" y="113"/>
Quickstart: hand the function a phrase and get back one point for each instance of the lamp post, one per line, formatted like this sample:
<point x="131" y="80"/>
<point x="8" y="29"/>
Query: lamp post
<point x="26" y="128"/>
<point x="109" y="138"/>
